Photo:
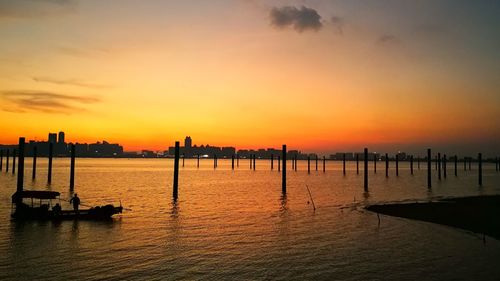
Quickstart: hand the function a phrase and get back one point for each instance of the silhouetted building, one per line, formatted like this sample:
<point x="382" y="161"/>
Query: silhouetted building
<point x="61" y="138"/>
<point x="52" y="137"/>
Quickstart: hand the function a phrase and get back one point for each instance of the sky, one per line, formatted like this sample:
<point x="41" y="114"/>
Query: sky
<point x="319" y="76"/>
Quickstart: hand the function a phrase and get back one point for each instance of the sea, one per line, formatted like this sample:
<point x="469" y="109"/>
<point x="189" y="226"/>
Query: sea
<point x="237" y="225"/>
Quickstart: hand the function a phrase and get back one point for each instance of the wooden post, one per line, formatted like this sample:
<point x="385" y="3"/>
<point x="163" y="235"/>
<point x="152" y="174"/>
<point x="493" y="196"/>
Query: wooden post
<point x="480" y="168"/>
<point x="444" y="166"/>
<point x="308" y="164"/>
<point x="72" y="168"/>
<point x="397" y="164"/>
<point x="343" y="164"/>
<point x="198" y="161"/>
<point x="411" y="164"/>
<point x="14" y="161"/>
<point x="295" y="163"/>
<point x="366" y="170"/>
<point x="49" y="172"/>
<point x="232" y="161"/>
<point x="324" y="164"/>
<point x="279" y="163"/>
<point x="176" y="172"/>
<point x="316" y="162"/>
<point x="237" y="160"/>
<point x="272" y="162"/>
<point x="34" y="162"/>
<point x="251" y="159"/>
<point x="254" y="156"/>
<point x="183" y="156"/>
<point x="1" y="160"/>
<point x="7" y="162"/>
<point x="429" y="182"/>
<point x="439" y="165"/>
<point x="375" y="163"/>
<point x="283" y="179"/>
<point x="20" y="172"/>
<point x="386" y="165"/>
<point x="456" y="166"/>
<point x="215" y="161"/>
<point x="357" y="163"/>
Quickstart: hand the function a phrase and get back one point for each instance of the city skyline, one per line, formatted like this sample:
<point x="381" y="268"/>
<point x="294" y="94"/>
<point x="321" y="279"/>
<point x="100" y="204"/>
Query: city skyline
<point x="390" y="75"/>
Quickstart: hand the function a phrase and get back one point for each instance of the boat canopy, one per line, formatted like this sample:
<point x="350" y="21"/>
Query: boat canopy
<point x="35" y="194"/>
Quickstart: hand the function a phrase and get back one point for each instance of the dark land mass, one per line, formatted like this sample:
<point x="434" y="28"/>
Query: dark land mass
<point x="480" y="214"/>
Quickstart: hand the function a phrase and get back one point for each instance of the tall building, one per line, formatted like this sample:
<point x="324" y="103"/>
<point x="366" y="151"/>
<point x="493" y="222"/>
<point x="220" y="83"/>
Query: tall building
<point x="187" y="142"/>
<point x="52" y="137"/>
<point x="61" y="137"/>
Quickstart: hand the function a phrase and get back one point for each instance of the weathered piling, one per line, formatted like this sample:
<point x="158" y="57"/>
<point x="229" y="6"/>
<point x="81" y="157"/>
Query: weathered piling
<point x="324" y="164"/>
<point x="439" y="165"/>
<point x="183" y="156"/>
<point x="198" y="161"/>
<point x="33" y="174"/>
<point x="215" y="161"/>
<point x="293" y="163"/>
<point x="254" y="157"/>
<point x="49" y="169"/>
<point x="397" y="164"/>
<point x="444" y="166"/>
<point x="283" y="174"/>
<point x="272" y="162"/>
<point x="316" y="163"/>
<point x="480" y="168"/>
<point x="386" y="165"/>
<point x="343" y="164"/>
<point x="296" y="163"/>
<point x="14" y="161"/>
<point x="429" y="182"/>
<point x="279" y="163"/>
<point x="374" y="163"/>
<point x="7" y="161"/>
<point x="232" y="162"/>
<point x="411" y="165"/>
<point x="20" y="172"/>
<point x="72" y="169"/>
<point x="357" y="164"/>
<point x="176" y="172"/>
<point x="1" y="160"/>
<point x="237" y="160"/>
<point x="308" y="164"/>
<point x="251" y="160"/>
<point x="456" y="166"/>
<point x="366" y="170"/>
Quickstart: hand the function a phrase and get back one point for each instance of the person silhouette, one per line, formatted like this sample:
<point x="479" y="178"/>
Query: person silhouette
<point x="76" y="202"/>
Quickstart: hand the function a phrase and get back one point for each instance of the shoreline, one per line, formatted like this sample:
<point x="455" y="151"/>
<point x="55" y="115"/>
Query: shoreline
<point x="478" y="214"/>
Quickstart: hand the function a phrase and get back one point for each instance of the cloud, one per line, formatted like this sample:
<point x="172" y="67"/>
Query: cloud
<point x="300" y="19"/>
<point x="35" y="8"/>
<point x="71" y="82"/>
<point x="46" y="102"/>
<point x="338" y="24"/>
<point x="388" y="39"/>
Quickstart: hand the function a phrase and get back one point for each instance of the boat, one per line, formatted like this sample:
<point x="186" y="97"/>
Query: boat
<point x="41" y="208"/>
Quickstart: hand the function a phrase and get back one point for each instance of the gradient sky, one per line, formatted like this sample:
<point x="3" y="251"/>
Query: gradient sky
<point x="317" y="75"/>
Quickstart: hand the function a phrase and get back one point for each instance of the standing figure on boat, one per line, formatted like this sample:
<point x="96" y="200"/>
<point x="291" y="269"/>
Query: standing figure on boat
<point x="76" y="202"/>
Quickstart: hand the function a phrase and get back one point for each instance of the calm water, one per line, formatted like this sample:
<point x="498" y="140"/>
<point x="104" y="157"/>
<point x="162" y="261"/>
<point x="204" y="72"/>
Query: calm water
<point x="236" y="225"/>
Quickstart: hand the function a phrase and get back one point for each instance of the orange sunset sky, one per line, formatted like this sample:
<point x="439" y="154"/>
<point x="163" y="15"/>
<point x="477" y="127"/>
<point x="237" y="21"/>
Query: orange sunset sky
<point x="320" y="76"/>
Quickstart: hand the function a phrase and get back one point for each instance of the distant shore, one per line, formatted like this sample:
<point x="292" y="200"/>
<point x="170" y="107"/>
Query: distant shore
<point x="478" y="214"/>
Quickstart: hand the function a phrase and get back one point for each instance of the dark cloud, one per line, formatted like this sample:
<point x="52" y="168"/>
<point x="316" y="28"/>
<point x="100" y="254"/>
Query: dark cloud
<point x="338" y="24"/>
<point x="300" y="19"/>
<point x="35" y="8"/>
<point x="71" y="82"/>
<point x="388" y="39"/>
<point x="47" y="102"/>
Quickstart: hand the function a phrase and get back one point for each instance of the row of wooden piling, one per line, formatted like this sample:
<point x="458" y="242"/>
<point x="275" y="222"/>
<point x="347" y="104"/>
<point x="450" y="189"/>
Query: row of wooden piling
<point x="20" y="156"/>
